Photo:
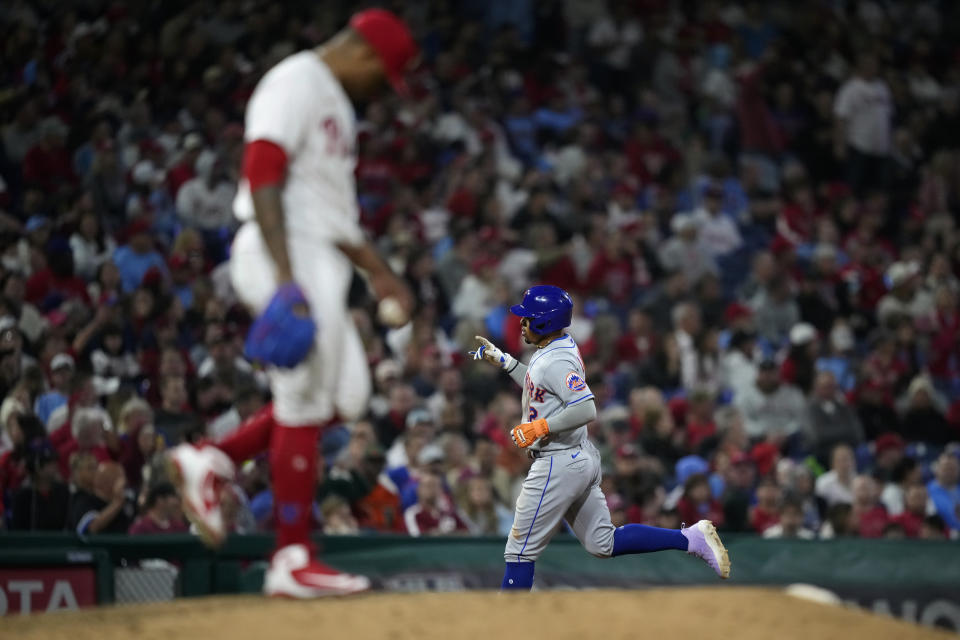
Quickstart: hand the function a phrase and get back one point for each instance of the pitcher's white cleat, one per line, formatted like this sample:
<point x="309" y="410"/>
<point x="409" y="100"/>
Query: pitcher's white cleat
<point x="199" y="474"/>
<point x="293" y="573"/>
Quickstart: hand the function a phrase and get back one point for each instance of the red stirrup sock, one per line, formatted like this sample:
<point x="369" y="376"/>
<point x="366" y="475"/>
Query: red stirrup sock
<point x="293" y="470"/>
<point x="251" y="438"/>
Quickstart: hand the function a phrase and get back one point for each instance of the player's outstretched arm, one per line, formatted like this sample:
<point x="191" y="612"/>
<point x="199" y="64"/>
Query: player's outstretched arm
<point x="486" y="350"/>
<point x="383" y="281"/>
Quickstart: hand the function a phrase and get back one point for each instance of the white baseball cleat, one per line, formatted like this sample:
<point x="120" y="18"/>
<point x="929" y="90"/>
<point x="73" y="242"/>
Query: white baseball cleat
<point x="199" y="474"/>
<point x="704" y="542"/>
<point x="294" y="574"/>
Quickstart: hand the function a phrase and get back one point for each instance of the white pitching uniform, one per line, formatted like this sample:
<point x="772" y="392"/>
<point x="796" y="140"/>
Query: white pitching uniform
<point x="300" y="106"/>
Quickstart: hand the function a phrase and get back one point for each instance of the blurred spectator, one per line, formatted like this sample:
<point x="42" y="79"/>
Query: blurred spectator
<point x="822" y="295"/>
<point x="83" y="470"/>
<point x="432" y="513"/>
<point x="719" y="234"/>
<point x="40" y="504"/>
<point x="379" y="509"/>
<point x="456" y="459"/>
<point x="915" y="510"/>
<point x="790" y="523"/>
<point x="864" y="111"/>
<point x="836" y="485"/>
<point x="732" y="436"/>
<point x="660" y="437"/>
<point x="832" y="421"/>
<point x="61" y="372"/>
<point x="46" y="164"/>
<point x="798" y="368"/>
<point x="184" y="170"/>
<point x="23" y="131"/>
<point x="775" y="310"/>
<point x="738" y="369"/>
<point x="888" y="451"/>
<point x="173" y="417"/>
<point x="13" y="459"/>
<point x="766" y="512"/>
<point x="875" y="409"/>
<point x="906" y="298"/>
<point x="449" y="394"/>
<point x="699" y="424"/>
<point x="803" y="487"/>
<point x="419" y="431"/>
<point x="106" y="507"/>
<point x="686" y="328"/>
<point x="113" y="364"/>
<point x="684" y="250"/>
<point x="905" y="474"/>
<point x="839" y="522"/>
<point x="205" y="202"/>
<point x="89" y="428"/>
<point x="223" y="360"/>
<point x="945" y="489"/>
<point x="161" y="512"/>
<point x="247" y="400"/>
<point x="137" y="256"/>
<point x="55" y="281"/>
<point x="91" y="246"/>
<point x="482" y="513"/>
<point x="639" y="341"/>
<point x="923" y="420"/>
<point x="30" y="322"/>
<point x="337" y="518"/>
<point x="394" y="422"/>
<point x="698" y="503"/>
<point x="738" y="492"/>
<point x="868" y="511"/>
<point x="772" y="409"/>
<point x="933" y="528"/>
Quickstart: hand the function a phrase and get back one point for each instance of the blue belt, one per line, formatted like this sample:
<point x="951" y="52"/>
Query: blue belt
<point x="552" y="452"/>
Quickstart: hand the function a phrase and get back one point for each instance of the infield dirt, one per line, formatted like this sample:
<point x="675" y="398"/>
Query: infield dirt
<point x="667" y="614"/>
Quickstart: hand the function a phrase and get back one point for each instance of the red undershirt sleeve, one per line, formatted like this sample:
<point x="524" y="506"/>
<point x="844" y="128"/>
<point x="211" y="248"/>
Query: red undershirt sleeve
<point x="264" y="164"/>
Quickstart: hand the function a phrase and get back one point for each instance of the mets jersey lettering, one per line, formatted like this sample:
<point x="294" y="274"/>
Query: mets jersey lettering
<point x="555" y="380"/>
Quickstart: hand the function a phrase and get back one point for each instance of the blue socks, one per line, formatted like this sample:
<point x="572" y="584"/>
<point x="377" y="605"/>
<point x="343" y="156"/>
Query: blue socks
<point x="518" y="576"/>
<point x="631" y="538"/>
<point x="639" y="538"/>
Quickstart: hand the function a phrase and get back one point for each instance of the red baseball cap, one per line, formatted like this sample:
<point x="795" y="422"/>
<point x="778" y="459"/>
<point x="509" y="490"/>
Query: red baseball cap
<point x="889" y="441"/>
<point x="735" y="311"/>
<point x="391" y="39"/>
<point x="764" y="455"/>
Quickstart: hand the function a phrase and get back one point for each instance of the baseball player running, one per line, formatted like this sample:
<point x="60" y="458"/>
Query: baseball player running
<point x="291" y="264"/>
<point x="564" y="480"/>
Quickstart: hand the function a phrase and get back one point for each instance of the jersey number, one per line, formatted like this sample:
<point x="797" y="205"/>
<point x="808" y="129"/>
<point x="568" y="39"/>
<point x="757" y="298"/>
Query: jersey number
<point x="533" y="414"/>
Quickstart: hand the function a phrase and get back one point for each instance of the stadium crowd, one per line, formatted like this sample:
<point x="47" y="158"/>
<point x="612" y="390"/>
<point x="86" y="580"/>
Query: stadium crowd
<point x="754" y="205"/>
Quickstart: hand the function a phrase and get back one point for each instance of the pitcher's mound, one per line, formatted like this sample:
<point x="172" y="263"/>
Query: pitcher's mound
<point x="673" y="614"/>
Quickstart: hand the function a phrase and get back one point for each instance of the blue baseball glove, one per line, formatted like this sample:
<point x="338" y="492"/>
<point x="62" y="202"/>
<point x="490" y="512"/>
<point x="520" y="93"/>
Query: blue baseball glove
<point x="279" y="335"/>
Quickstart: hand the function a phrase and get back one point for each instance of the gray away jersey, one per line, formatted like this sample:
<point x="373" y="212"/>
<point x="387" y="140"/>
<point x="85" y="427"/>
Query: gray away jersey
<point x="555" y="380"/>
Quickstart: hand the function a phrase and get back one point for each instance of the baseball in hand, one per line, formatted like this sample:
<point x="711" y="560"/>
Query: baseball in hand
<point x="391" y="313"/>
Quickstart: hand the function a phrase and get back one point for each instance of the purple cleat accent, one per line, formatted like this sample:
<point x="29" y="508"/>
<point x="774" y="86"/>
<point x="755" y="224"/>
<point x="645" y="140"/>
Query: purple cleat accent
<point x="703" y="542"/>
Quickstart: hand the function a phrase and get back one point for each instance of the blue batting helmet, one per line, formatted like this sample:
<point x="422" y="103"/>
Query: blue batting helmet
<point x="549" y="308"/>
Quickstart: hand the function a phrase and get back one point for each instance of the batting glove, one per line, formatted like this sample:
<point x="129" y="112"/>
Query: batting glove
<point x="525" y="434"/>
<point x="487" y="351"/>
<point x="280" y="335"/>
